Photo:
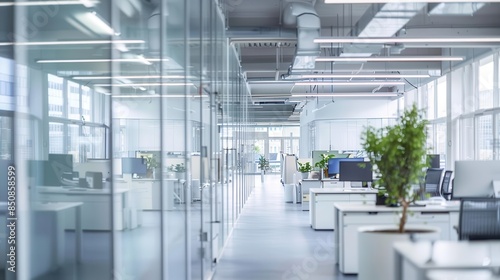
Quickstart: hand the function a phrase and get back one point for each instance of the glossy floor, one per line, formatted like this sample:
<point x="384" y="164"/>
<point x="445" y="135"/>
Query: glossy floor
<point x="273" y="240"/>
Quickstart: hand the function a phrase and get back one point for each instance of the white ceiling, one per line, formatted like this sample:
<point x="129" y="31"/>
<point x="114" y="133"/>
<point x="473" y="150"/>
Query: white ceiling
<point x="256" y="29"/>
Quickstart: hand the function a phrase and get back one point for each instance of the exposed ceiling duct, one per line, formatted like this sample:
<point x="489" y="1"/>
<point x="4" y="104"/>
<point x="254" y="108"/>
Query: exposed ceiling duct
<point x="304" y="17"/>
<point x="383" y="20"/>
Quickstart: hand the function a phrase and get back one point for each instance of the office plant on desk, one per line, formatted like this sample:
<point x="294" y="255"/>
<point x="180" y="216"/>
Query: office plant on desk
<point x="398" y="154"/>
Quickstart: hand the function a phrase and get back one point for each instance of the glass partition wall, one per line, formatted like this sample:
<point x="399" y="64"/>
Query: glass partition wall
<point x="112" y="115"/>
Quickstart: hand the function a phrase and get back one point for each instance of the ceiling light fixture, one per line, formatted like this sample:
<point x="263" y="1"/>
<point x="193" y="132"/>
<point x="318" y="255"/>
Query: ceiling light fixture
<point x="143" y="84"/>
<point x="367" y="76"/>
<point x="389" y="58"/>
<point x="388" y="40"/>
<point x="412" y="1"/>
<point x="98" y="23"/>
<point x="129" y="77"/>
<point x="86" y="3"/>
<point x="97" y="60"/>
<point x="353" y="94"/>
<point x="159" y="96"/>
<point x="81" y="42"/>
<point x="382" y="83"/>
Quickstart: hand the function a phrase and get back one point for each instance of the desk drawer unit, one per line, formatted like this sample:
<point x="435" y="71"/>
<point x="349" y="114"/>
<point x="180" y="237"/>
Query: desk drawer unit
<point x="348" y="235"/>
<point x="332" y="184"/>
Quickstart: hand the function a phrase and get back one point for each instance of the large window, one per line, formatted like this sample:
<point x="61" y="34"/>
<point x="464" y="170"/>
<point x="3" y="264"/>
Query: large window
<point x="430" y="101"/>
<point x="55" y="93"/>
<point x="484" y="134"/>
<point x="73" y="101"/>
<point x="485" y="75"/>
<point x="441" y="98"/>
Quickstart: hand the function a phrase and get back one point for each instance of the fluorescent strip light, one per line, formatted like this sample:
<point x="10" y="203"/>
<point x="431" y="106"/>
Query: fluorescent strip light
<point x="86" y="3"/>
<point x="98" y="23"/>
<point x="349" y="83"/>
<point x="373" y="40"/>
<point x="388" y="94"/>
<point x="144" y="60"/>
<point x="406" y="1"/>
<point x="138" y="60"/>
<point x="389" y="58"/>
<point x="159" y="96"/>
<point x="143" y="84"/>
<point x="366" y="76"/>
<point x="129" y="77"/>
<point x="83" y="42"/>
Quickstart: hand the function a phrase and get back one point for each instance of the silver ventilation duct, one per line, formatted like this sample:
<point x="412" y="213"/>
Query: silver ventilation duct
<point x="304" y="17"/>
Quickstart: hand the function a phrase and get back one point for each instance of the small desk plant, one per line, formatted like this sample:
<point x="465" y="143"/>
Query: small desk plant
<point x="179" y="169"/>
<point x="398" y="154"/>
<point x="322" y="164"/>
<point x="305" y="168"/>
<point x="263" y="166"/>
<point x="152" y="165"/>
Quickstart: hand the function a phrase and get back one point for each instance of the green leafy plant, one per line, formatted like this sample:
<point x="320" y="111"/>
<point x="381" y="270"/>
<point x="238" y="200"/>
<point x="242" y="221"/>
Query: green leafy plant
<point x="398" y="154"/>
<point x="179" y="167"/>
<point x="323" y="162"/>
<point x="151" y="162"/>
<point x="263" y="163"/>
<point x="305" y="167"/>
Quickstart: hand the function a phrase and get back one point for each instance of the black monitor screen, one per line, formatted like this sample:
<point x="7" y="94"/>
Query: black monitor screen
<point x="334" y="164"/>
<point x="134" y="166"/>
<point x="434" y="161"/>
<point x="355" y="171"/>
<point x="56" y="167"/>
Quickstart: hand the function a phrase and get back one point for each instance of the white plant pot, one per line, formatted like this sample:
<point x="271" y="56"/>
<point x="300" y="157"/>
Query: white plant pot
<point x="305" y="175"/>
<point x="262" y="176"/>
<point x="375" y="248"/>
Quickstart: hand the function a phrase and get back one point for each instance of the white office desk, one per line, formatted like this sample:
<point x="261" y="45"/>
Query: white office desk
<point x="412" y="259"/>
<point x="321" y="201"/>
<point x="96" y="214"/>
<point x="305" y="186"/>
<point x="350" y="217"/>
<point x="48" y="237"/>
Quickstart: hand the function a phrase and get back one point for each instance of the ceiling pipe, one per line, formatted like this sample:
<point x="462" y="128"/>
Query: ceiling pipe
<point x="303" y="16"/>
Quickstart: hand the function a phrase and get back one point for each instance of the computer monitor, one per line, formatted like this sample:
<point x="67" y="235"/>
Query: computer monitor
<point x="474" y="178"/>
<point x="334" y="165"/>
<point x="434" y="161"/>
<point x="56" y="167"/>
<point x="134" y="166"/>
<point x="94" y="165"/>
<point x="355" y="171"/>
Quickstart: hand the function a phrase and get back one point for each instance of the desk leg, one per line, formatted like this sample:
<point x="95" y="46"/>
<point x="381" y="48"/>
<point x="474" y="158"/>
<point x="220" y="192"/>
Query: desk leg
<point x="78" y="233"/>
<point x="398" y="265"/>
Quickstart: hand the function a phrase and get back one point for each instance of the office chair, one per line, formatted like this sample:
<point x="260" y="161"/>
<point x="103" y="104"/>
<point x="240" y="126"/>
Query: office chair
<point x="446" y="186"/>
<point x="432" y="180"/>
<point x="479" y="219"/>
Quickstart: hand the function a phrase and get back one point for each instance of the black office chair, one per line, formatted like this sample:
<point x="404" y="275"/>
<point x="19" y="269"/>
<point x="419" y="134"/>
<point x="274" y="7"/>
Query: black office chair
<point x="432" y="180"/>
<point x="479" y="219"/>
<point x="446" y="185"/>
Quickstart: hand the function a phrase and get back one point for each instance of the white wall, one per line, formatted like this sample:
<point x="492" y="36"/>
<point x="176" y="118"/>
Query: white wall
<point x="338" y="125"/>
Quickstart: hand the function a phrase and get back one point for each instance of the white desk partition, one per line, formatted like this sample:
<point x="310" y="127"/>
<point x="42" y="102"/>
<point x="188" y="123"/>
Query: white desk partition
<point x="321" y="203"/>
<point x="350" y="217"/>
<point x="421" y="259"/>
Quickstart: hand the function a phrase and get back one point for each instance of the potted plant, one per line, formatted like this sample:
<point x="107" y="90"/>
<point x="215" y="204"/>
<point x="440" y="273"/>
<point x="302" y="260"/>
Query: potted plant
<point x="322" y="164"/>
<point x="398" y="154"/>
<point x="152" y="165"/>
<point x="263" y="166"/>
<point x="179" y="169"/>
<point x="305" y="168"/>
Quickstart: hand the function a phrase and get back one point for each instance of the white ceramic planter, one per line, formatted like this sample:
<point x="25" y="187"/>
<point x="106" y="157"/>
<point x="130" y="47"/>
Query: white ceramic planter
<point x="305" y="175"/>
<point x="375" y="249"/>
